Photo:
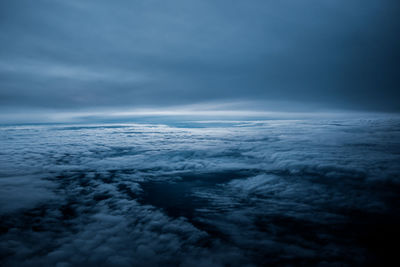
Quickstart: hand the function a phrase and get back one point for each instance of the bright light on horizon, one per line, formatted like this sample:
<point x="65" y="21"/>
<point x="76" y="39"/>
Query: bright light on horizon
<point x="222" y="111"/>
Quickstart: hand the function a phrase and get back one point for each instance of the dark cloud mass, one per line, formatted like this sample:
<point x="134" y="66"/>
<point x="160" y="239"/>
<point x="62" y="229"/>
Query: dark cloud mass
<point x="90" y="54"/>
<point x="248" y="193"/>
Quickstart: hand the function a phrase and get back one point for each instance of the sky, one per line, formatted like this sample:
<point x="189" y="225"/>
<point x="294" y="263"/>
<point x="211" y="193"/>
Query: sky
<point x="287" y="56"/>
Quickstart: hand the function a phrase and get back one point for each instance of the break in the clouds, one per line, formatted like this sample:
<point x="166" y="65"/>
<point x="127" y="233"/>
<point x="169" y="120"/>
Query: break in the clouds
<point x="73" y="55"/>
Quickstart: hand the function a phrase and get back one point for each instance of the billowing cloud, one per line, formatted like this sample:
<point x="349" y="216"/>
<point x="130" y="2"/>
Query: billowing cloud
<point x="245" y="193"/>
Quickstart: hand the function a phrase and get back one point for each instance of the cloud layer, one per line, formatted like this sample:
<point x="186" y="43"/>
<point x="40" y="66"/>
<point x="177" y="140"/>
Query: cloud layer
<point x="245" y="193"/>
<point x="95" y="54"/>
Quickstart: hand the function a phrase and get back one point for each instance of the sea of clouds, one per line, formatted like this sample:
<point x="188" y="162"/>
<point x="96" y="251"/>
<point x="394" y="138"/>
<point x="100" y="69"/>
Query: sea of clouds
<point x="244" y="193"/>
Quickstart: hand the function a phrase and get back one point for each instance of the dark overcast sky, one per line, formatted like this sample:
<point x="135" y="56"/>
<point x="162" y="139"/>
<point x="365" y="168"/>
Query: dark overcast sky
<point x="74" y="54"/>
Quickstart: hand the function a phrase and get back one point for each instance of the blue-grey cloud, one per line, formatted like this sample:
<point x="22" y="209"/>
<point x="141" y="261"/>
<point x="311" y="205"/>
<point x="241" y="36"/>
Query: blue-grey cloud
<point x="91" y="54"/>
<point x="248" y="193"/>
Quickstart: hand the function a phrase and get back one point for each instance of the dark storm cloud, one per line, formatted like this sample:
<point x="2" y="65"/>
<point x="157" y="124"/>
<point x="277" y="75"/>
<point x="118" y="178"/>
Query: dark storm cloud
<point x="87" y="54"/>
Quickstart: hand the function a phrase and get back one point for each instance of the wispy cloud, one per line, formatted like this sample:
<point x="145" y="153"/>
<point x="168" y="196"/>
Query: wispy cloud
<point x="49" y="70"/>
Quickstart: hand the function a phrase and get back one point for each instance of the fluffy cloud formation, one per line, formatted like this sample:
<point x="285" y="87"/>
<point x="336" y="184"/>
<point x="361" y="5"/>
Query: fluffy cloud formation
<point x="245" y="193"/>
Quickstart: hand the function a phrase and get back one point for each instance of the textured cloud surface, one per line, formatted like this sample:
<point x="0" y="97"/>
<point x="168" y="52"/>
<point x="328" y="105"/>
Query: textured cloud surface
<point x="245" y="193"/>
